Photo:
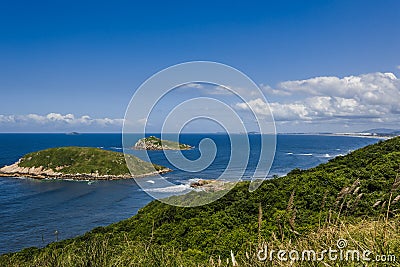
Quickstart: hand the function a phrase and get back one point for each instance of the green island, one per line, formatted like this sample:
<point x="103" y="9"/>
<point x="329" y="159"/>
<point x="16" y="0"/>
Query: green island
<point x="155" y="143"/>
<point x="354" y="197"/>
<point x="80" y="163"/>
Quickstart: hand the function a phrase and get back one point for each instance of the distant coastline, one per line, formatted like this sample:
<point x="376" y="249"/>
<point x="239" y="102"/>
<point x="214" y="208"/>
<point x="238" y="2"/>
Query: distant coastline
<point x="384" y="137"/>
<point x="360" y="135"/>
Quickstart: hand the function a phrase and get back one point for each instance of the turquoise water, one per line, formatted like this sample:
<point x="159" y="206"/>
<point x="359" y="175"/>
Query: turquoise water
<point x="32" y="210"/>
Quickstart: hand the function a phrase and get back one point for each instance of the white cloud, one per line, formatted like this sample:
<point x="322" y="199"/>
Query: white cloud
<point x="231" y="90"/>
<point x="216" y="90"/>
<point x="268" y="90"/>
<point x="224" y="90"/>
<point x="108" y="122"/>
<point x="55" y="117"/>
<point x="6" y="119"/>
<point x="373" y="97"/>
<point x="372" y="88"/>
<point x="257" y="105"/>
<point x="194" y="85"/>
<point x="289" y="112"/>
<point x="56" y="121"/>
<point x="142" y="121"/>
<point x="295" y="111"/>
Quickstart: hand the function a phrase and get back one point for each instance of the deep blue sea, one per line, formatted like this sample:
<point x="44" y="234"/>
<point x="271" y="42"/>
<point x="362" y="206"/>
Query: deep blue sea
<point x="31" y="211"/>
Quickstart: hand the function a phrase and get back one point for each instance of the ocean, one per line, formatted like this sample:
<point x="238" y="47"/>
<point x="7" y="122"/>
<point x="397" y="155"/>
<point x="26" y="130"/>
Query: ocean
<point x="37" y="212"/>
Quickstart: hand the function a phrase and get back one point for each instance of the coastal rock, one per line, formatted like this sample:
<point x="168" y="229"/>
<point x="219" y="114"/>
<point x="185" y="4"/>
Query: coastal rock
<point x="41" y="173"/>
<point x="209" y="185"/>
<point x="15" y="169"/>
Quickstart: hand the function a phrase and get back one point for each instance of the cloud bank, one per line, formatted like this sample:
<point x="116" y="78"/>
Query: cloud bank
<point x="57" y="122"/>
<point x="372" y="97"/>
<point x="368" y="100"/>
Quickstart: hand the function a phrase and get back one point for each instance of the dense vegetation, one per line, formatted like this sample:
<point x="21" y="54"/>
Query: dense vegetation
<point x="346" y="197"/>
<point x="72" y="160"/>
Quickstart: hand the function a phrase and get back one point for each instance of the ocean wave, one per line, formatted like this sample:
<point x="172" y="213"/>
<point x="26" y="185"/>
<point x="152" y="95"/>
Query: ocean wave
<point x="183" y="186"/>
<point x="170" y="189"/>
<point x="192" y="180"/>
<point x="325" y="156"/>
<point x="330" y="156"/>
<point x="299" y="154"/>
<point x="117" y="148"/>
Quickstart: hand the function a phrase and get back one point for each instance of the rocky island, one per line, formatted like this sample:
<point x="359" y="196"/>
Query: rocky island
<point x="80" y="163"/>
<point x="154" y="143"/>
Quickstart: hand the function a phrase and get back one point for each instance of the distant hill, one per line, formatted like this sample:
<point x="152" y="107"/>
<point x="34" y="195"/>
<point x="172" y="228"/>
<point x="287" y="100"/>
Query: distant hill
<point x="80" y="163"/>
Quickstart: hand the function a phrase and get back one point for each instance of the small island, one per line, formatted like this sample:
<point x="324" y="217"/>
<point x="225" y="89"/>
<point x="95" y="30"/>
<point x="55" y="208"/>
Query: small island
<point x="154" y="143"/>
<point x="80" y="163"/>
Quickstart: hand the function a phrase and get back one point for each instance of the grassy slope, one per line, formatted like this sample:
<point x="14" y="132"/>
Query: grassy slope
<point x="380" y="236"/>
<point x="85" y="160"/>
<point x="302" y="203"/>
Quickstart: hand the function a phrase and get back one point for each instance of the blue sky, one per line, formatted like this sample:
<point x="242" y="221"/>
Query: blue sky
<point x="323" y="65"/>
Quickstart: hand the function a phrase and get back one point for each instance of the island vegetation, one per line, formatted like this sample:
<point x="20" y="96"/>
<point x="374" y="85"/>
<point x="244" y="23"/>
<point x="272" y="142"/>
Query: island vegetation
<point x="354" y="197"/>
<point x="80" y="163"/>
<point x="155" y="143"/>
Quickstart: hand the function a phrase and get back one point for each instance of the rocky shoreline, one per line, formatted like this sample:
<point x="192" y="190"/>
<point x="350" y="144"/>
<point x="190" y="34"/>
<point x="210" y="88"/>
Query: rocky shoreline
<point x="15" y="170"/>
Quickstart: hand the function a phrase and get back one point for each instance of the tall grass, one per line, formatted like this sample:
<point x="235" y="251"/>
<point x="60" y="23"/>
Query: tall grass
<point x="380" y="235"/>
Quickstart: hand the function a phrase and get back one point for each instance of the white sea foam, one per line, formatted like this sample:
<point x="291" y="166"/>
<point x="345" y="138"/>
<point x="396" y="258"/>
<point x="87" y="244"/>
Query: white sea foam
<point x="170" y="189"/>
<point x="185" y="185"/>
<point x="192" y="180"/>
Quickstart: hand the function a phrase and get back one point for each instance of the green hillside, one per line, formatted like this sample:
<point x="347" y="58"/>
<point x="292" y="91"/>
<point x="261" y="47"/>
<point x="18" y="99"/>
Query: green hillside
<point x="349" y="197"/>
<point x="88" y="160"/>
